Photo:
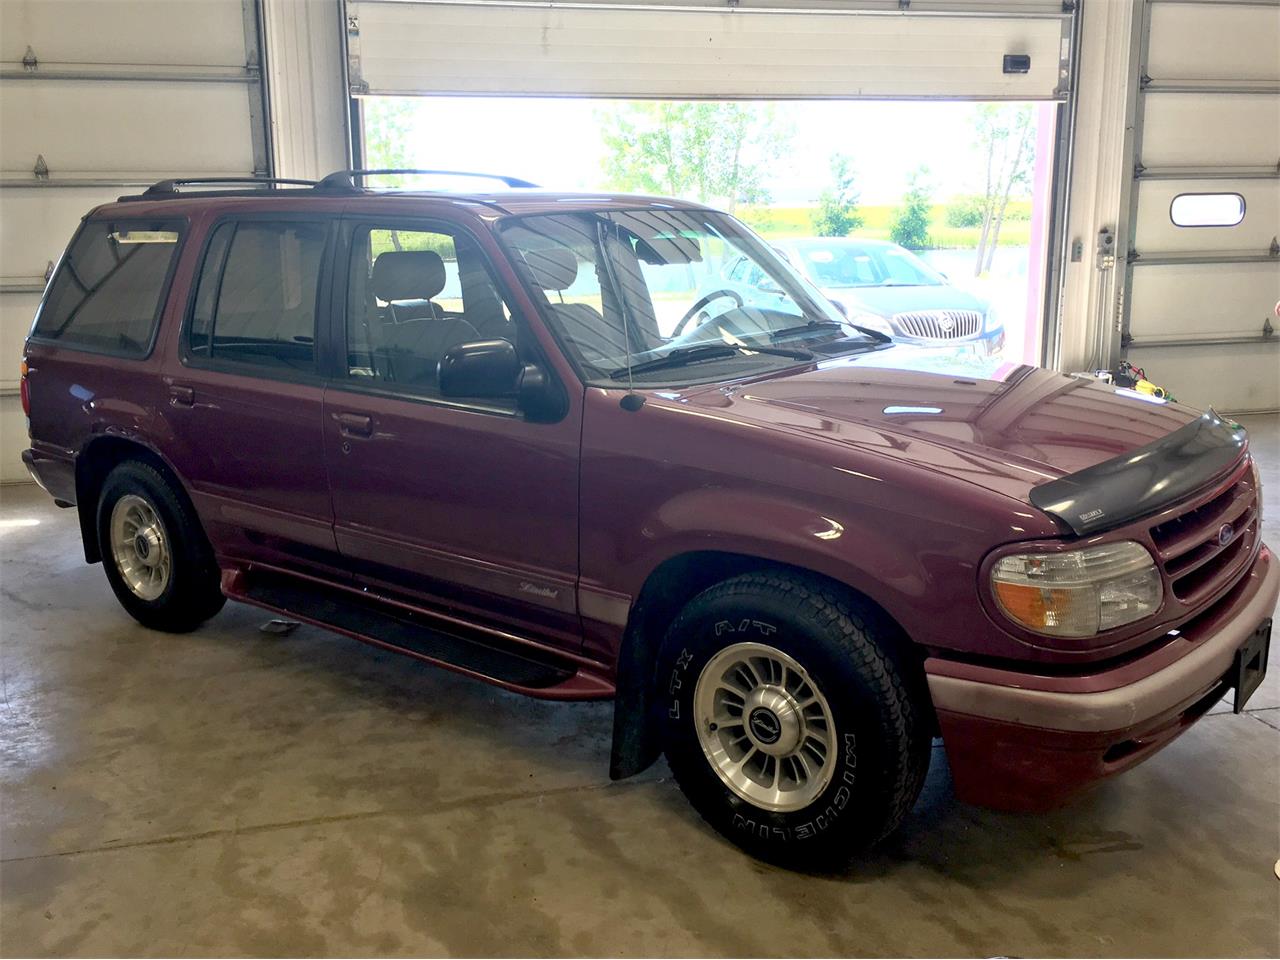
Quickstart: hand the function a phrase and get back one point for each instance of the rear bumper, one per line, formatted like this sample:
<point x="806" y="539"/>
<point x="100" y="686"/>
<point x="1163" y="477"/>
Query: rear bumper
<point x="55" y="474"/>
<point x="1030" y="741"/>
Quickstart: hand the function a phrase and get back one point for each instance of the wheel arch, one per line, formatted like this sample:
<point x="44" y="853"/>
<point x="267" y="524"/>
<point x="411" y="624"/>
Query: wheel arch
<point x="667" y="589"/>
<point x="96" y="460"/>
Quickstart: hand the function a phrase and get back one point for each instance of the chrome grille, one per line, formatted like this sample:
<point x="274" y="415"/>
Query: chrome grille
<point x="938" y="324"/>
<point x="1204" y="547"/>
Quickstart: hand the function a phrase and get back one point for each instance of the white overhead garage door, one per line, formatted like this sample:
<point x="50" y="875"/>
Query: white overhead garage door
<point x="873" y="49"/>
<point x="100" y="97"/>
<point x="1201" y="297"/>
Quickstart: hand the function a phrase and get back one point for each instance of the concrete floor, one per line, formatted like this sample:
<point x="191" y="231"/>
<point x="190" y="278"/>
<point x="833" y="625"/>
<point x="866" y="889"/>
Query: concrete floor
<point x="233" y="792"/>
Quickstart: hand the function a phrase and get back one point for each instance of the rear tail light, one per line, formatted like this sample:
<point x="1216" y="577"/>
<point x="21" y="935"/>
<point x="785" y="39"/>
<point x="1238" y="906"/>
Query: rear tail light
<point x="24" y="388"/>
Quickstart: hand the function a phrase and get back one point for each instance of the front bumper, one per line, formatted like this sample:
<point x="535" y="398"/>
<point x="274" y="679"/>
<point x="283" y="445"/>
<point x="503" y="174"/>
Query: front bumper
<point x="1021" y="741"/>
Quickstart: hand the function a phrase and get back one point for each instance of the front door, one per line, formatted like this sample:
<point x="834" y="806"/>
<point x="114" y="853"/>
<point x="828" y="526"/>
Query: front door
<point x="466" y="505"/>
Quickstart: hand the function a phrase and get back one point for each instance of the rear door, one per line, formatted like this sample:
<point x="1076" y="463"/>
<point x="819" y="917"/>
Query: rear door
<point x="466" y="505"/>
<point x="246" y="400"/>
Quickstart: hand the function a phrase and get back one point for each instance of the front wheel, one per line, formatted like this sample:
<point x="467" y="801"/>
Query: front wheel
<point x="792" y="727"/>
<point x="157" y="559"/>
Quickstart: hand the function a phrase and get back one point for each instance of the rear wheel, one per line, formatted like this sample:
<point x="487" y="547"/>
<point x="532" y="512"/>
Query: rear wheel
<point x="156" y="556"/>
<point x="791" y="726"/>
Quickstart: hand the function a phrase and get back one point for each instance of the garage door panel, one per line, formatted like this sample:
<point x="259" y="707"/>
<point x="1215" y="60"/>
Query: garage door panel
<point x="116" y="127"/>
<point x="1155" y="232"/>
<point x="1004" y="7"/>
<point x="13" y="439"/>
<point x="453" y="49"/>
<point x="38" y="223"/>
<point x="1190" y="300"/>
<point x="204" y="33"/>
<point x="1229" y="378"/>
<point x="1214" y="41"/>
<point x="1188" y="129"/>
<point x="16" y="313"/>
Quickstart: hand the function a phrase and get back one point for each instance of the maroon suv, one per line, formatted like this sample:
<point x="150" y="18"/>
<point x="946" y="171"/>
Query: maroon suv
<point x="513" y="434"/>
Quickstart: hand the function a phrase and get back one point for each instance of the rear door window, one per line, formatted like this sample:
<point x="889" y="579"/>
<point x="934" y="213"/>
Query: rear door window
<point x="256" y="300"/>
<point x="110" y="287"/>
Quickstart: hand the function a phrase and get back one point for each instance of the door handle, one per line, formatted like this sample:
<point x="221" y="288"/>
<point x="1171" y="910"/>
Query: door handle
<point x="354" y="424"/>
<point x="181" y="396"/>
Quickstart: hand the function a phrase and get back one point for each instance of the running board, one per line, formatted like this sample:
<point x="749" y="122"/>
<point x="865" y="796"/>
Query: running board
<point x="510" y="663"/>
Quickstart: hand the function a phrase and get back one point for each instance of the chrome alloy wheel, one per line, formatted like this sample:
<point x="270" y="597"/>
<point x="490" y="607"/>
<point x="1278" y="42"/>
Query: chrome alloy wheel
<point x="140" y="547"/>
<point x="765" y="727"/>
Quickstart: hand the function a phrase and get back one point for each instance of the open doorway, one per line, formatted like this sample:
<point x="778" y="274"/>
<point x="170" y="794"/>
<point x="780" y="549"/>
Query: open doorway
<point x="929" y="218"/>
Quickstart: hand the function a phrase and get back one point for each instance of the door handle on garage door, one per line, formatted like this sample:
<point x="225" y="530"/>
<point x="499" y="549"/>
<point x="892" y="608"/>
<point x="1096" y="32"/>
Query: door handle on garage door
<point x="354" y="424"/>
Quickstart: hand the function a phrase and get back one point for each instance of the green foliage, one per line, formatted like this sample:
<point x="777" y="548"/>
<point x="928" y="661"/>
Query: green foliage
<point x="965" y="212"/>
<point x="910" y="227"/>
<point x="388" y="130"/>
<point x="1005" y="133"/>
<point x="709" y="152"/>
<point x="837" y="214"/>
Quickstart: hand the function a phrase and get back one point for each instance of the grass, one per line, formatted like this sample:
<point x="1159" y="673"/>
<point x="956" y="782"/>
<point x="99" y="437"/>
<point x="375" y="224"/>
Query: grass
<point x="784" y="222"/>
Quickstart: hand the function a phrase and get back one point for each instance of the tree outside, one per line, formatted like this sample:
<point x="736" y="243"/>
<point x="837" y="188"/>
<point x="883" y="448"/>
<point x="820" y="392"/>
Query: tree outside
<point x="389" y="133"/>
<point x="837" y="213"/>
<point x="1006" y="135"/>
<point x="910" y="226"/>
<point x="721" y="153"/>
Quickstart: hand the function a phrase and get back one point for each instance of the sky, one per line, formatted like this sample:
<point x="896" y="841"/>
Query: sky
<point x="554" y="142"/>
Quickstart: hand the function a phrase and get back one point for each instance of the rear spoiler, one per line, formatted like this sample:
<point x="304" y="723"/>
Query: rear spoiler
<point x="1145" y="480"/>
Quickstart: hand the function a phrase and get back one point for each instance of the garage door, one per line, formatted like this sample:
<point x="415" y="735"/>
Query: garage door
<point x="99" y="97"/>
<point x="1203" y="268"/>
<point x="881" y="49"/>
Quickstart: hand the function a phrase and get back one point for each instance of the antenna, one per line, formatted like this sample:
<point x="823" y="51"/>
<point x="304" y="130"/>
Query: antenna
<point x="632" y="401"/>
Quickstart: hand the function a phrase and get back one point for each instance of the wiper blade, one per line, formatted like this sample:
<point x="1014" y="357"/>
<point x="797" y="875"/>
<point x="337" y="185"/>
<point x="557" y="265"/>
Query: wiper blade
<point x="683" y="356"/>
<point x="776" y="335"/>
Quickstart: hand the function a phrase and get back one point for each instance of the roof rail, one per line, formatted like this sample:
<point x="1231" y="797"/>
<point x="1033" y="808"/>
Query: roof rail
<point x="345" y="180"/>
<point x="163" y="189"/>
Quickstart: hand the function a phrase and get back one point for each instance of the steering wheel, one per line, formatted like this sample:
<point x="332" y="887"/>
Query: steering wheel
<point x="702" y="302"/>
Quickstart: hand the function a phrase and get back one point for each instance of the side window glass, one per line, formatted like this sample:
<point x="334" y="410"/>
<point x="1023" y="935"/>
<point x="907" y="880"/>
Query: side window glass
<point x="207" y="290"/>
<point x="110" y="286"/>
<point x="256" y="300"/>
<point x="413" y="295"/>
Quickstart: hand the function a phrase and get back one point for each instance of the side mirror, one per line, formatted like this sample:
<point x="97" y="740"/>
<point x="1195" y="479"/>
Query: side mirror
<point x="538" y="398"/>
<point x="482" y="368"/>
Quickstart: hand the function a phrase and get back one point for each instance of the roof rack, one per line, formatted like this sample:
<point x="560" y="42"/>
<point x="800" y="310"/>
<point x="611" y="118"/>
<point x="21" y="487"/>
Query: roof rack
<point x="346" y="180"/>
<point x="168" y="189"/>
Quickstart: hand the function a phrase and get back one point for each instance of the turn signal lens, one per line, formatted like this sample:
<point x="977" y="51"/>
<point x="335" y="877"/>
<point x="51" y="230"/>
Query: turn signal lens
<point x="1078" y="593"/>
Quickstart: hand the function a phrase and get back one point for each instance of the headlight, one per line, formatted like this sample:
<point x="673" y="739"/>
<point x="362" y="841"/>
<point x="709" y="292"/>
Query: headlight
<point x="1078" y="593"/>
<point x="872" y="321"/>
<point x="992" y="319"/>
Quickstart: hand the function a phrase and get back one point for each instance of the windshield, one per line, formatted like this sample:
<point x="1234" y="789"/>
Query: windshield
<point x="839" y="263"/>
<point x="635" y="294"/>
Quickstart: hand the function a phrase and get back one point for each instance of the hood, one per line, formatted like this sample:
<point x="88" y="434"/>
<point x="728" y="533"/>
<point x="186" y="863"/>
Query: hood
<point x="1011" y="429"/>
<point x="886" y="301"/>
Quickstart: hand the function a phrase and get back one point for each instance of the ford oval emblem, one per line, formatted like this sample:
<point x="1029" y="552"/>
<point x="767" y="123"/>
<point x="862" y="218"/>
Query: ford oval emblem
<point x="1225" y="533"/>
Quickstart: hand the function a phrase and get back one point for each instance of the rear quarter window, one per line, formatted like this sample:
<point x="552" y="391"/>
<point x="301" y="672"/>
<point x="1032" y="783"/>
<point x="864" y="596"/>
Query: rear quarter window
<point x="110" y="287"/>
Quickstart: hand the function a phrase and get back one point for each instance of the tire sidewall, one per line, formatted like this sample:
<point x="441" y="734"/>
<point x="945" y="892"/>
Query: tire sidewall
<point x="182" y="604"/>
<point x="850" y="812"/>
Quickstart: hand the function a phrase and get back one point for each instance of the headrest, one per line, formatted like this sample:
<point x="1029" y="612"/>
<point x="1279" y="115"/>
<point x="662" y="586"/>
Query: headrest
<point x="554" y="268"/>
<point x="407" y="275"/>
